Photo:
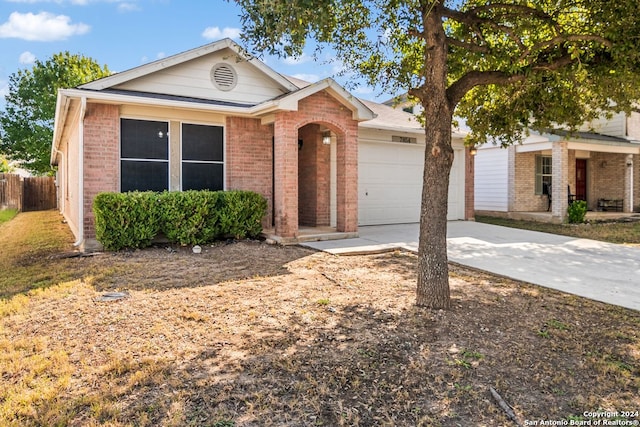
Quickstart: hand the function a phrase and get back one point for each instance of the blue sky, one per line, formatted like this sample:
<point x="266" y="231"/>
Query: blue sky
<point x="127" y="33"/>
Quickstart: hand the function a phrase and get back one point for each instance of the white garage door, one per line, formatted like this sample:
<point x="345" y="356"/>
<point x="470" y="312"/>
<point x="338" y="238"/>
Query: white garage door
<point x="390" y="183"/>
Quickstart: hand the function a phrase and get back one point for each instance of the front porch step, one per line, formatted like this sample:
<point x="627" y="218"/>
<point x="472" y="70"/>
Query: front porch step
<point x="308" y="236"/>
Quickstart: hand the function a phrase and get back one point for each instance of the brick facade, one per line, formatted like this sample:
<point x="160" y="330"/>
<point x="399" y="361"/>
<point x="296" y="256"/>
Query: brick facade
<point x="101" y="160"/>
<point x="255" y="154"/>
<point x="608" y="177"/>
<point x="249" y="159"/>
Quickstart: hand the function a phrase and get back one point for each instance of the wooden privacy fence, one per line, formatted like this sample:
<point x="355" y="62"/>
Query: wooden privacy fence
<point x="27" y="194"/>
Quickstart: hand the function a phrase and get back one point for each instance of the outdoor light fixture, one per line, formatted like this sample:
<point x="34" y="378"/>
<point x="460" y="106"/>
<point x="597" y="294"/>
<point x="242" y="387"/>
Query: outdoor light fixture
<point x="473" y="151"/>
<point x="326" y="138"/>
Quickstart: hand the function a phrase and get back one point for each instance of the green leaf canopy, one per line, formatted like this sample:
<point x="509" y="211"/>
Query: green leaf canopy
<point x="26" y="125"/>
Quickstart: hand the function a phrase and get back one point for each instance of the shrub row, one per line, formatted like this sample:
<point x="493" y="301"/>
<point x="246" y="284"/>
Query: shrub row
<point x="133" y="220"/>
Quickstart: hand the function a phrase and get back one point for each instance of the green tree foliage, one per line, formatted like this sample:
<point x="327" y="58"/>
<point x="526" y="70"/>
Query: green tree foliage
<point x="504" y="66"/>
<point x="26" y="125"/>
<point x="5" y="166"/>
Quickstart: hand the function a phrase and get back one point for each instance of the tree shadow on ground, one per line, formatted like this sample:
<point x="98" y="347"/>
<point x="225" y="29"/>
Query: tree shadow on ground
<point x="335" y="363"/>
<point x="168" y="266"/>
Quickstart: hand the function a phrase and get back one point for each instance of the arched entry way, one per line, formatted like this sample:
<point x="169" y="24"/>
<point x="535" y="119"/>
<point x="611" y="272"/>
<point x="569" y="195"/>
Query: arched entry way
<point x="315" y="176"/>
<point x="302" y="166"/>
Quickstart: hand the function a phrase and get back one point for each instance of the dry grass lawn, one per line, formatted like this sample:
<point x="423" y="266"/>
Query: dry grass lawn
<point x="247" y="334"/>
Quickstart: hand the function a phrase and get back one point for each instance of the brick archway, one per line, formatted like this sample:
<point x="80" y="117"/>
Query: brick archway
<point x="319" y="109"/>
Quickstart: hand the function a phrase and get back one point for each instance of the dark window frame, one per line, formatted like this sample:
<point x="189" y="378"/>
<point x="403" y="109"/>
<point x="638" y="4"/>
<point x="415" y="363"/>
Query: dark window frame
<point x="219" y="163"/>
<point x="128" y="159"/>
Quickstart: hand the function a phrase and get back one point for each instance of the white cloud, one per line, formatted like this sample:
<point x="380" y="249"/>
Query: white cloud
<point x="293" y="60"/>
<point x="41" y="27"/>
<point x="161" y="55"/>
<point x="27" y="58"/>
<point x="128" y="7"/>
<point x="311" y="78"/>
<point x="363" y="90"/>
<point x="4" y="89"/>
<point x="215" y="33"/>
<point x="123" y="6"/>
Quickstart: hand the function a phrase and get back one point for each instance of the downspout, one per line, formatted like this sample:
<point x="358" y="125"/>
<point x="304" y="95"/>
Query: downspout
<point x="60" y="199"/>
<point x="83" y="109"/>
<point x="629" y="163"/>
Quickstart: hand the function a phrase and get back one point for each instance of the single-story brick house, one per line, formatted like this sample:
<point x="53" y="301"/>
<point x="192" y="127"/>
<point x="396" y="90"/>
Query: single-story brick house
<point x="599" y="164"/>
<point x="214" y="118"/>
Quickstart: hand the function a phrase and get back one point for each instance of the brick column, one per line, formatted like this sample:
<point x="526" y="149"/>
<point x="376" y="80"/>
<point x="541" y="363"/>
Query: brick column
<point x="347" y="181"/>
<point x="101" y="161"/>
<point x="286" y="177"/>
<point x="559" y="194"/>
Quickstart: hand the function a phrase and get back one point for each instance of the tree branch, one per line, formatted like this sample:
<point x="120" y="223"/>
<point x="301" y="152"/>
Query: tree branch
<point x="472" y="16"/>
<point x="555" y="41"/>
<point x="464" y="84"/>
<point x="472" y="47"/>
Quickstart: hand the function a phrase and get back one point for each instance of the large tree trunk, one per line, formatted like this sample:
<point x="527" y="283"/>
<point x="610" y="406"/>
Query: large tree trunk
<point x="433" y="269"/>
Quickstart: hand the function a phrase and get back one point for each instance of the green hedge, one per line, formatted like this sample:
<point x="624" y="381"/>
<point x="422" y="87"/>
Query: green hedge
<point x="191" y="217"/>
<point x="126" y="220"/>
<point x="133" y="220"/>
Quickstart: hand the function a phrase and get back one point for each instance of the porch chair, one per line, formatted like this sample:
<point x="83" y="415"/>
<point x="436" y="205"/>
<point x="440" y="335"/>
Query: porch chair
<point x="546" y="191"/>
<point x="572" y="197"/>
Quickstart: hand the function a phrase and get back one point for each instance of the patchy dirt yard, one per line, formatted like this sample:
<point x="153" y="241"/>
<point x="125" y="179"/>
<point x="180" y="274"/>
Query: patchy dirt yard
<point x="248" y="334"/>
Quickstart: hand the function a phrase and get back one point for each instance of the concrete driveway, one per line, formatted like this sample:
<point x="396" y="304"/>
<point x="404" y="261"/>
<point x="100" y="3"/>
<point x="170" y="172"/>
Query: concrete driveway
<point x="601" y="271"/>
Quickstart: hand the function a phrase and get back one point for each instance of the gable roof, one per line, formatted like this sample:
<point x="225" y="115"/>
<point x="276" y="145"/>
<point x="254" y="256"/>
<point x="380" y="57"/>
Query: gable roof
<point x="180" y="58"/>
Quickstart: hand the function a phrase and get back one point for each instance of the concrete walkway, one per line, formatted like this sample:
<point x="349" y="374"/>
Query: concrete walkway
<point x="601" y="271"/>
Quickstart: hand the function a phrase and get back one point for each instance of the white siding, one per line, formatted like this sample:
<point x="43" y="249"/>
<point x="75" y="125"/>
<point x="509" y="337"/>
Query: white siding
<point x="193" y="79"/>
<point x="492" y="179"/>
<point x="615" y="126"/>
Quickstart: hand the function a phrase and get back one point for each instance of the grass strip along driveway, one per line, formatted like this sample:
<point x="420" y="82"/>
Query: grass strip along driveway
<point x="248" y="334"/>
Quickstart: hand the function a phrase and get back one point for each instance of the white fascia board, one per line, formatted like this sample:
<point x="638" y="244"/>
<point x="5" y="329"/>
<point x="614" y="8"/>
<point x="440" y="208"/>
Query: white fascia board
<point x="533" y="146"/>
<point x="618" y="148"/>
<point x="117" y="98"/>
<point x="413" y="130"/>
<point x="455" y="134"/>
<point x="146" y="69"/>
<point x="62" y="109"/>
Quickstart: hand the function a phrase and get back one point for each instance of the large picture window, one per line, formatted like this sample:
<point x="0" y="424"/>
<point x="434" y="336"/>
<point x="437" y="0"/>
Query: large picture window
<point x="543" y="174"/>
<point x="202" y="157"/>
<point x="144" y="155"/>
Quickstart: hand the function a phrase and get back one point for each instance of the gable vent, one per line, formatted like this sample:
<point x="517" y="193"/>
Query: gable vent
<point x="224" y="77"/>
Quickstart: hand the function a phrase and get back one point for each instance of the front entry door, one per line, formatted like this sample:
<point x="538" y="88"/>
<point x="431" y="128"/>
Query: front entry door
<point x="581" y="179"/>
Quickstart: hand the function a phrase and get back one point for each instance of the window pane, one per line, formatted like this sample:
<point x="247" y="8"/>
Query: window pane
<point x="144" y="176"/>
<point x="140" y="139"/>
<point x="546" y="165"/>
<point x="202" y="143"/>
<point x="202" y="176"/>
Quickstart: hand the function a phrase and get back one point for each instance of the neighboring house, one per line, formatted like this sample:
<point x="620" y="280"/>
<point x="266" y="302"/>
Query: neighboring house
<point x="599" y="164"/>
<point x="213" y="118"/>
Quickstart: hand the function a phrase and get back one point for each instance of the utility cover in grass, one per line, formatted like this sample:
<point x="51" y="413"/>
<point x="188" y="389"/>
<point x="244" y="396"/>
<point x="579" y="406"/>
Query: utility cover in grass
<point x="112" y="296"/>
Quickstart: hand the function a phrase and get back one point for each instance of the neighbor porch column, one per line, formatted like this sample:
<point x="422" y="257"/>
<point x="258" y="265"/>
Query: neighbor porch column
<point x="560" y="180"/>
<point x="511" y="181"/>
<point x="285" y="153"/>
<point x="628" y="186"/>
